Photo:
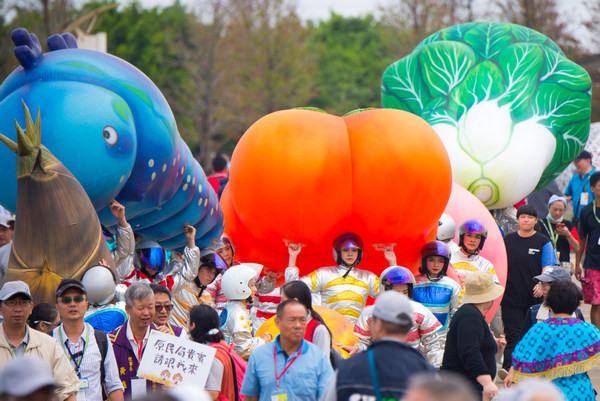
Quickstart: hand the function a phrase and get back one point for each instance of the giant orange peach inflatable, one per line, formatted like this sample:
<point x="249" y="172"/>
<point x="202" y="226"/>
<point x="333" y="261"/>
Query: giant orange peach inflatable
<point x="462" y="206"/>
<point x="307" y="176"/>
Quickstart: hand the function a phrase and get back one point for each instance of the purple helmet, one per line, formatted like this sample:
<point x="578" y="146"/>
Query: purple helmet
<point x="396" y="275"/>
<point x="473" y="226"/>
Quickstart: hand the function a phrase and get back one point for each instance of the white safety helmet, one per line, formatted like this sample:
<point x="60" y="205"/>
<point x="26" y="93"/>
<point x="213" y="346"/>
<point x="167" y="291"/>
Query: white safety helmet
<point x="235" y="280"/>
<point x="446" y="228"/>
<point x="99" y="284"/>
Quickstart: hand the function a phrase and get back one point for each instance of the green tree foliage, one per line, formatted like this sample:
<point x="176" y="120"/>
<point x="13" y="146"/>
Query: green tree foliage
<point x="352" y="57"/>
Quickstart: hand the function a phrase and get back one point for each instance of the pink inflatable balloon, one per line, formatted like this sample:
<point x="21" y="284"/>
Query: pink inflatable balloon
<point x="462" y="206"/>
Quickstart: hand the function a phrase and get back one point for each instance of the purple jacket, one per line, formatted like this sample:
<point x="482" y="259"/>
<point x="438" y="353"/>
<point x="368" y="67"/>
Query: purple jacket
<point x="127" y="361"/>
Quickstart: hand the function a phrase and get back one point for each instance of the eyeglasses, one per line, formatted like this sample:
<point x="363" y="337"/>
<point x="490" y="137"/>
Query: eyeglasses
<point x="14" y="302"/>
<point x="77" y="298"/>
<point x="168" y="308"/>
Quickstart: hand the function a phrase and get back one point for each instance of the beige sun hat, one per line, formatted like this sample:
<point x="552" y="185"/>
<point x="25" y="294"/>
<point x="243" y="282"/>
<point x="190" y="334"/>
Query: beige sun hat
<point x="480" y="287"/>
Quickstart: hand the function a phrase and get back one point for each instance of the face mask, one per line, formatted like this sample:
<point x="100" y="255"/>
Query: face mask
<point x="555" y="221"/>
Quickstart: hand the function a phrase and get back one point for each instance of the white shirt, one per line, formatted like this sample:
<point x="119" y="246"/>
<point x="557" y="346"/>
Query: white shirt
<point x="133" y="342"/>
<point x="90" y="364"/>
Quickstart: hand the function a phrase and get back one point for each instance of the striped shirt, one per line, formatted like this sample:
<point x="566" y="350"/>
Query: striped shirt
<point x="90" y="363"/>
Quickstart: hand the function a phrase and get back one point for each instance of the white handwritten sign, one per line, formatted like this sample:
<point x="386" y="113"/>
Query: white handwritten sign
<point x="172" y="360"/>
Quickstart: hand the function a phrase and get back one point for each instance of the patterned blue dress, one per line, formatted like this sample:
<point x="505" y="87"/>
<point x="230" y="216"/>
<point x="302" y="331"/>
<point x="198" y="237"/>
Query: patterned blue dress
<point x="561" y="350"/>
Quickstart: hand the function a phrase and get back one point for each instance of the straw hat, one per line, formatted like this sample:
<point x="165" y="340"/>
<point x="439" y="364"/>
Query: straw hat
<point x="480" y="288"/>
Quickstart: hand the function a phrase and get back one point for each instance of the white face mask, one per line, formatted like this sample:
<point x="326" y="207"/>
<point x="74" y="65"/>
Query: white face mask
<point x="555" y="221"/>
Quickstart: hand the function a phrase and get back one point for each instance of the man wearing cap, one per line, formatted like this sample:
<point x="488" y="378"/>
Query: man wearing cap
<point x="558" y="229"/>
<point x="27" y="379"/>
<point x="578" y="190"/>
<point x="540" y="312"/>
<point x="385" y="369"/>
<point x="79" y="343"/>
<point x="7" y="227"/>
<point x="16" y="339"/>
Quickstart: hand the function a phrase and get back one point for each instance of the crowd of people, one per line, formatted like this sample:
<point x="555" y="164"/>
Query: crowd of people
<point x="427" y="336"/>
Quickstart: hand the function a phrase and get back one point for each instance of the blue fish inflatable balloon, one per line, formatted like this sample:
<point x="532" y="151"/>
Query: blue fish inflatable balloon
<point x="114" y="130"/>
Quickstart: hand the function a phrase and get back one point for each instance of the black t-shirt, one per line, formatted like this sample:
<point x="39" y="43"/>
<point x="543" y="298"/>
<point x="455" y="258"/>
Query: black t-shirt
<point x="590" y="227"/>
<point x="562" y="244"/>
<point x="525" y="258"/>
<point x="470" y="346"/>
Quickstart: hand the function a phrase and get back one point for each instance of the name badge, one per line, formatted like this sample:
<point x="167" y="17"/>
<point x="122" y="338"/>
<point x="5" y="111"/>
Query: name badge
<point x="279" y="397"/>
<point x="532" y="251"/>
<point x="584" y="199"/>
<point x="138" y="388"/>
<point x="84" y="384"/>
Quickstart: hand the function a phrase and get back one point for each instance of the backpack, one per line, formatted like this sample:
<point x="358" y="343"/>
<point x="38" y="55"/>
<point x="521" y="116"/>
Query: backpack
<point x="238" y="365"/>
<point x="102" y="342"/>
<point x="334" y="356"/>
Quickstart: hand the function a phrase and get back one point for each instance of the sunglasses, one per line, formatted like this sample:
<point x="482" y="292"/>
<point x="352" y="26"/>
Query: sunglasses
<point x="77" y="298"/>
<point x="48" y="323"/>
<point x="168" y="308"/>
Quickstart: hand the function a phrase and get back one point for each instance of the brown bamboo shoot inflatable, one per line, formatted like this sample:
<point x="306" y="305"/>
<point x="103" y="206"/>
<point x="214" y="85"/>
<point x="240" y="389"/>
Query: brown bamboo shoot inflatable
<point x="57" y="231"/>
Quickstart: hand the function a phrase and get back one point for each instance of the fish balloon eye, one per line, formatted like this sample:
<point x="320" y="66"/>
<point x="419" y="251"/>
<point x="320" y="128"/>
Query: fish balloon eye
<point x="110" y="135"/>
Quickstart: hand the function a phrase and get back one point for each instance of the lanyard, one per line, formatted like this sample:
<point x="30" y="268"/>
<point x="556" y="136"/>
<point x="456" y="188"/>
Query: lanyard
<point x="554" y="237"/>
<point x="582" y="190"/>
<point x="68" y="350"/>
<point x="277" y="377"/>
<point x="140" y="347"/>
<point x="597" y="219"/>
<point x="13" y="348"/>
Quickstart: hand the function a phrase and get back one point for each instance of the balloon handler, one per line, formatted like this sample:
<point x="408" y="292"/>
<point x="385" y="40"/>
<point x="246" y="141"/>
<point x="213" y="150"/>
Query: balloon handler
<point x="342" y="288"/>
<point x="239" y="286"/>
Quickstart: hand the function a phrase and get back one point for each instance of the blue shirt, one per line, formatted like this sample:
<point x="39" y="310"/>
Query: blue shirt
<point x="576" y="187"/>
<point x="305" y="380"/>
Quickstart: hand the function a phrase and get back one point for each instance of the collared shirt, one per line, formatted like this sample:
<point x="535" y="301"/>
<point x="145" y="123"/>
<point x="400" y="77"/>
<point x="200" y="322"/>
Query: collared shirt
<point x="90" y="363"/>
<point x="305" y="380"/>
<point x="19" y="350"/>
<point x="134" y="344"/>
<point x="577" y="185"/>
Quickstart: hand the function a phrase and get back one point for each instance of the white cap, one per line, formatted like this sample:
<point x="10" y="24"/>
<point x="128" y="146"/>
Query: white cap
<point x="11" y="288"/>
<point x="5" y="219"/>
<point x="24" y="375"/>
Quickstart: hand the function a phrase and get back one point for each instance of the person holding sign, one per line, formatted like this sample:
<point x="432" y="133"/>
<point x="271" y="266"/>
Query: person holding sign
<point x="87" y="349"/>
<point x="131" y="339"/>
<point x="290" y="368"/>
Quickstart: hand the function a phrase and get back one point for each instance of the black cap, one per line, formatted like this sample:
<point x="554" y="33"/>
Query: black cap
<point x="584" y="155"/>
<point x="67" y="284"/>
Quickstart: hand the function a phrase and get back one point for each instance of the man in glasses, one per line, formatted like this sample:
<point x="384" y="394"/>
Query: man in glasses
<point x="92" y="359"/>
<point x="16" y="339"/>
<point x="163" y="306"/>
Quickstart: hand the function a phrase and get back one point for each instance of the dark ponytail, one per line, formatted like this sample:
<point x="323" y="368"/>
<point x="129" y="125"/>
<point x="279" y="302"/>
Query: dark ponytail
<point x="299" y="291"/>
<point x="206" y="325"/>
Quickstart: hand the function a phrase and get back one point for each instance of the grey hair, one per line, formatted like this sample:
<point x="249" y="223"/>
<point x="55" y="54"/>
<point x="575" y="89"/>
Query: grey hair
<point x="138" y="291"/>
<point x="443" y="386"/>
<point x="532" y="389"/>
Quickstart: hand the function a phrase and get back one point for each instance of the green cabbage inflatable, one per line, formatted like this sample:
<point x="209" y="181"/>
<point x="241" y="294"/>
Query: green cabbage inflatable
<point x="511" y="109"/>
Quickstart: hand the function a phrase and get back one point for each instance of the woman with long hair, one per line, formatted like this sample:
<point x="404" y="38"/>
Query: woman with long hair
<point x="317" y="331"/>
<point x="222" y="382"/>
